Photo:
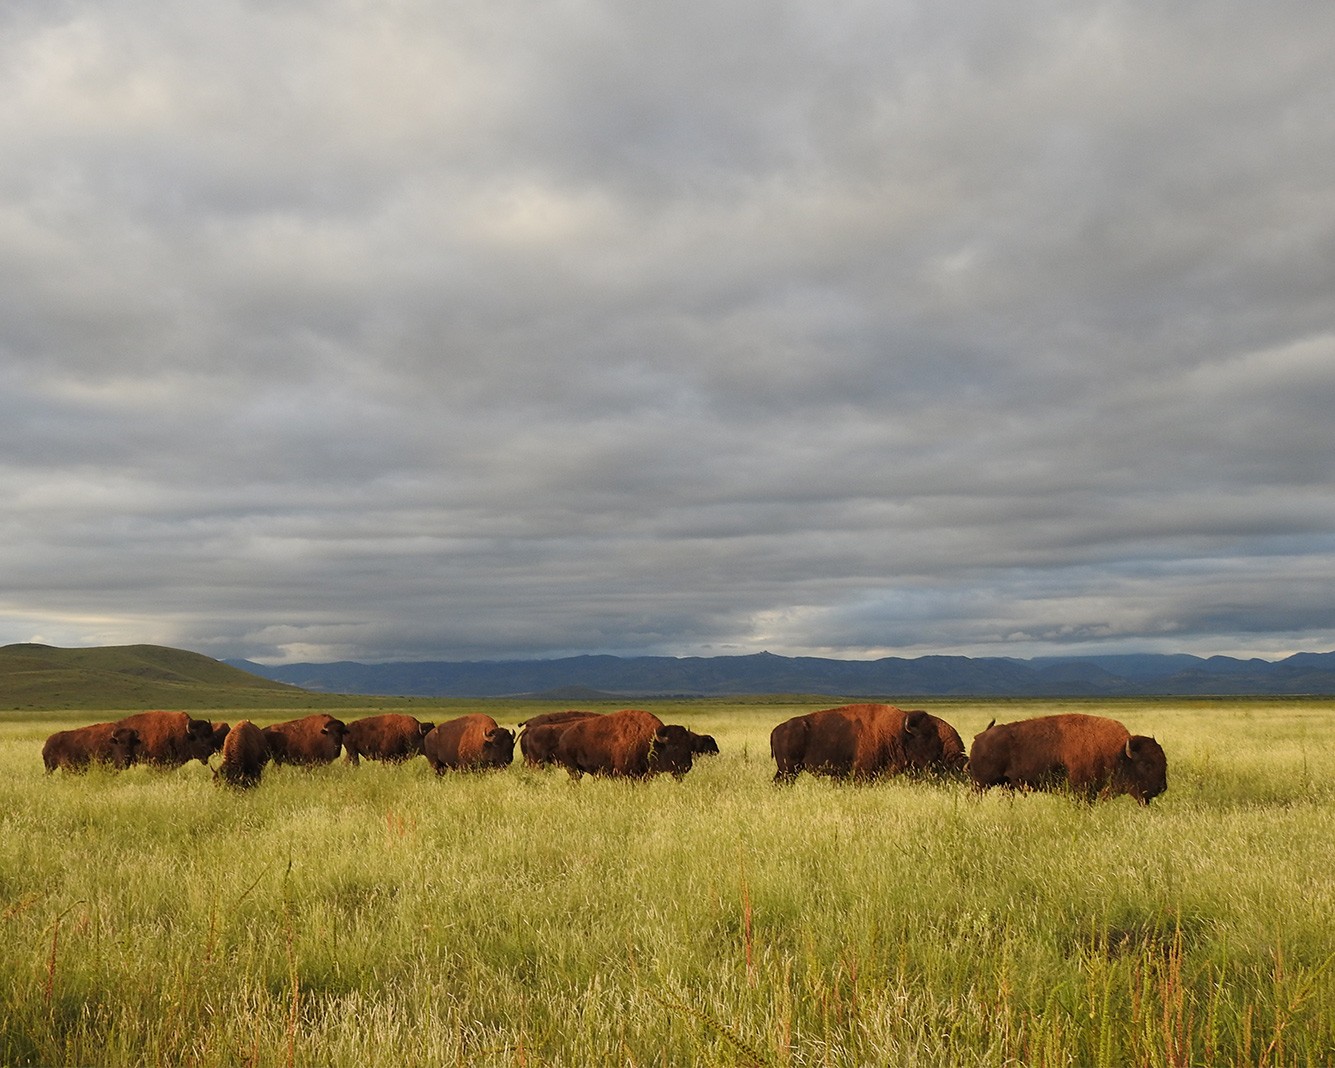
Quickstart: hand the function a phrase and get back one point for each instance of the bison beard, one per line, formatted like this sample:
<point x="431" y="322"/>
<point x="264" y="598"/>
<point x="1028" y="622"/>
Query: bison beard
<point x="1092" y="756"/>
<point x="855" y="741"/>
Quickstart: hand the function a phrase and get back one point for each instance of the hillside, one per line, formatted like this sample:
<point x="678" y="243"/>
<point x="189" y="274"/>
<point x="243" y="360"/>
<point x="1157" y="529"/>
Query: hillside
<point x="41" y="677"/>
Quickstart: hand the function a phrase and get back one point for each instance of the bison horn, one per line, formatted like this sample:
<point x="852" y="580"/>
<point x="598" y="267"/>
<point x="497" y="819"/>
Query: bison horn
<point x="1129" y="754"/>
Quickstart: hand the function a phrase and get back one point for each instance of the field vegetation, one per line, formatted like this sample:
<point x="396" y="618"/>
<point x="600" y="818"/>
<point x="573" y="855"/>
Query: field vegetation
<point x="383" y="916"/>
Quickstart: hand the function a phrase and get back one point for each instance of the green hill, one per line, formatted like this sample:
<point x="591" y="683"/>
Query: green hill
<point x="40" y="677"/>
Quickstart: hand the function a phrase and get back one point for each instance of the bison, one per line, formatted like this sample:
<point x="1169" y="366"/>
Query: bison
<point x="245" y="751"/>
<point x="170" y="739"/>
<point x="1092" y="756"/>
<point x="469" y="743"/>
<point x="855" y="741"/>
<point x="390" y="737"/>
<point x="626" y="744"/>
<point x="537" y="741"/>
<point x="953" y="755"/>
<point x="703" y="744"/>
<point x="315" y="739"/>
<point x="99" y="743"/>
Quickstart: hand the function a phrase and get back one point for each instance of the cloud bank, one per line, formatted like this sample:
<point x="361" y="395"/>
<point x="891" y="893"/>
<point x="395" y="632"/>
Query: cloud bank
<point x="408" y="330"/>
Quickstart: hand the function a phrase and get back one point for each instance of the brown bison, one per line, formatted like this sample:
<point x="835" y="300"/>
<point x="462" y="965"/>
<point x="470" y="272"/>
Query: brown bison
<point x="245" y="751"/>
<point x="390" y="737"/>
<point x="537" y="740"/>
<point x="855" y="741"/>
<point x="703" y="744"/>
<point x="953" y="755"/>
<point x="99" y="743"/>
<point x="626" y="744"/>
<point x="315" y="739"/>
<point x="1091" y="755"/>
<point x="469" y="743"/>
<point x="170" y="739"/>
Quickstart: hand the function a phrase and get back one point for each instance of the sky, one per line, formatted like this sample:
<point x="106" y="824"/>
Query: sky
<point x="410" y="329"/>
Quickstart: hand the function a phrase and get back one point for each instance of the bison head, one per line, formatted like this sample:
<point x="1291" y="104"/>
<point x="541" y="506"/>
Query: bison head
<point x="1143" y="768"/>
<point x="921" y="740"/>
<point x="199" y="740"/>
<point x="702" y="744"/>
<point x="123" y="747"/>
<point x="671" y="750"/>
<point x="498" y="747"/>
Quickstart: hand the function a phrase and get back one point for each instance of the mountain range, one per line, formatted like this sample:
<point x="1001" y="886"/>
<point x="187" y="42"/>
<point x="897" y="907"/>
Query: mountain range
<point x="766" y="673"/>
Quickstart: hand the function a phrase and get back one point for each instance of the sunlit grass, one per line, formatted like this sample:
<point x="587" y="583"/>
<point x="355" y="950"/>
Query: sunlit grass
<point x="382" y="915"/>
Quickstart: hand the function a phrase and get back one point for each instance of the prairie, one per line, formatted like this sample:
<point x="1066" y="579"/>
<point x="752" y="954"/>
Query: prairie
<point x="382" y="915"/>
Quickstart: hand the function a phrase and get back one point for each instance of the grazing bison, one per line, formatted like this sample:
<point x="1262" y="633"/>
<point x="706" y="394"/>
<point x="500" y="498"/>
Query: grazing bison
<point x="315" y="739"/>
<point x="99" y="743"/>
<point x="170" y="739"/>
<point x="1091" y="755"/>
<point x="245" y="751"/>
<point x="537" y="741"/>
<point x="703" y="744"/>
<point x="625" y="744"/>
<point x="953" y="756"/>
<point x="469" y="743"/>
<point x="391" y="737"/>
<point x="855" y="741"/>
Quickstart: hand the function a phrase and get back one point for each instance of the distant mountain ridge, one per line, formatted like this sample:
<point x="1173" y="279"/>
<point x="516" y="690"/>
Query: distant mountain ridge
<point x="759" y="673"/>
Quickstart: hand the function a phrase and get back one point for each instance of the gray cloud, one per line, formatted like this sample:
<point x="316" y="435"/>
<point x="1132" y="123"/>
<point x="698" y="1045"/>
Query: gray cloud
<point x="488" y="331"/>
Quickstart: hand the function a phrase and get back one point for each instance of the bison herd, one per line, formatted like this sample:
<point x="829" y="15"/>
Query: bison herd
<point x="1091" y="756"/>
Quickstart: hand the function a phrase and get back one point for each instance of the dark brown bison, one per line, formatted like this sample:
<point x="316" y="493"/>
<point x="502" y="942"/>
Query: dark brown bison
<point x="391" y="737"/>
<point x="537" y="740"/>
<point x="219" y="735"/>
<point x="170" y="739"/>
<point x="855" y="741"/>
<point x="245" y="751"/>
<point x="469" y="743"/>
<point x="315" y="739"/>
<point x="98" y="743"/>
<point x="703" y="744"/>
<point x="626" y="744"/>
<point x="1091" y="755"/>
<point x="953" y="755"/>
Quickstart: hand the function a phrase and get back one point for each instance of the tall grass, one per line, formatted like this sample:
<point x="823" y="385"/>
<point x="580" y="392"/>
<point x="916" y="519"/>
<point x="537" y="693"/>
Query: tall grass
<point x="382" y="915"/>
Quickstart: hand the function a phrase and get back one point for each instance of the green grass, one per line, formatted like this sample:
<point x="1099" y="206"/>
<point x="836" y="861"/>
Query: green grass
<point x="380" y="915"/>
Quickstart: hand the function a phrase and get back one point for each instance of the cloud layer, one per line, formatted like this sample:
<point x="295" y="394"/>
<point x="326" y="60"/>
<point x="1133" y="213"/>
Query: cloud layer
<point x="490" y="330"/>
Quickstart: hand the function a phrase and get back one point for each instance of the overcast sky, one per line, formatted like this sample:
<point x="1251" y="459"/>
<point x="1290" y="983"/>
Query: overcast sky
<point x="409" y="329"/>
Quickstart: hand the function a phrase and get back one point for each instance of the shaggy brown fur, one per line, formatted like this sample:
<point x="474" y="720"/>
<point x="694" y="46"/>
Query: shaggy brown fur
<point x="1092" y="755"/>
<point x="469" y="743"/>
<point x="854" y="741"/>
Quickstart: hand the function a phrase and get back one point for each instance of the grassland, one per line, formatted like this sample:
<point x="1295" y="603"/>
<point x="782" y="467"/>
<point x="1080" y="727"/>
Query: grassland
<point x="382" y="916"/>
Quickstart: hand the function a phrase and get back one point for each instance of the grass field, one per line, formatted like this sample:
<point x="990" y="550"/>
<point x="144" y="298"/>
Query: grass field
<point x="382" y="916"/>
